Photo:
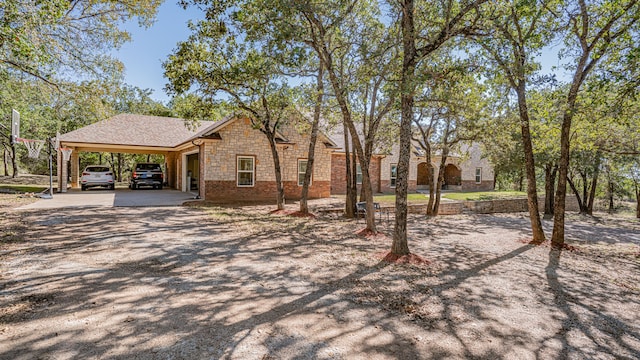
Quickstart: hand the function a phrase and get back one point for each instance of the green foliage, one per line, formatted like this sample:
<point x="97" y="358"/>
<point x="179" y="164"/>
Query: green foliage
<point x="55" y="37"/>
<point x="22" y="188"/>
<point x="215" y="61"/>
<point x="45" y="111"/>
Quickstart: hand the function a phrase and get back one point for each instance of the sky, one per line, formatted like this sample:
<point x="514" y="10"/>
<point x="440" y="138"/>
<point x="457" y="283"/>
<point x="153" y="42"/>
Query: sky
<point x="148" y="48"/>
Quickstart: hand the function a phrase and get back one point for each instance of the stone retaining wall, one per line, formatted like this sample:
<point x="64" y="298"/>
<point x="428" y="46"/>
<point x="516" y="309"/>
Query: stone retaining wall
<point x="489" y="206"/>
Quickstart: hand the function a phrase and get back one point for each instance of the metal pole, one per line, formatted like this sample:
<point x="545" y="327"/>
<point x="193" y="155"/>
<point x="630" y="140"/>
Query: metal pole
<point x="50" y="194"/>
<point x="50" y="168"/>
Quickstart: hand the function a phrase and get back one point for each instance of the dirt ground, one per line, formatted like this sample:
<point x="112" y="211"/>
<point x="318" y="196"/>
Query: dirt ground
<point x="239" y="283"/>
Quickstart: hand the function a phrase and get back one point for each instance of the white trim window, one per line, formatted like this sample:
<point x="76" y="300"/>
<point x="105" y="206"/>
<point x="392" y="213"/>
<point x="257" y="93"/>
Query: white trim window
<point x="302" y="169"/>
<point x="358" y="174"/>
<point x="393" y="175"/>
<point x="245" y="171"/>
<point x="478" y="175"/>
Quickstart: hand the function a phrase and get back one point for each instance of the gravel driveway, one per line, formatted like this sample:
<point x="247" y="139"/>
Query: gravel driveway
<point x="194" y="283"/>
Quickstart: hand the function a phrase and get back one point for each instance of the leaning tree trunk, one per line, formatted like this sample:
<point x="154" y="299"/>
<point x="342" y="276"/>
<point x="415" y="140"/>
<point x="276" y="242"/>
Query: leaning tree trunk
<point x="579" y="198"/>
<point x="366" y="180"/>
<point x="357" y="147"/>
<point x="530" y="167"/>
<point x="304" y="206"/>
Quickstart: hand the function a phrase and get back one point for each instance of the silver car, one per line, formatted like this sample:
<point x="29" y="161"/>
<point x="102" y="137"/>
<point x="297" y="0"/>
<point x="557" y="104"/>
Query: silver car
<point x="97" y="175"/>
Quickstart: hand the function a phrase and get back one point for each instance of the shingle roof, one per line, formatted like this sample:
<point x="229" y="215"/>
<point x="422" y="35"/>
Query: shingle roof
<point x="142" y="130"/>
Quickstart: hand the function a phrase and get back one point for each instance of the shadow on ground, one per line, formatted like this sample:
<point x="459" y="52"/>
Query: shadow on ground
<point x="235" y="283"/>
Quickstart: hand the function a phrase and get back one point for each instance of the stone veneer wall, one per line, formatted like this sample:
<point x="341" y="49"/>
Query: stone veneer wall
<point x="471" y="185"/>
<point x="386" y="188"/>
<point x="240" y="139"/>
<point x="339" y="174"/>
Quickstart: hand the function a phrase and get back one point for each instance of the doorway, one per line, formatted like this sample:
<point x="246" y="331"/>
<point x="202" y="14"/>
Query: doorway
<point x="191" y="172"/>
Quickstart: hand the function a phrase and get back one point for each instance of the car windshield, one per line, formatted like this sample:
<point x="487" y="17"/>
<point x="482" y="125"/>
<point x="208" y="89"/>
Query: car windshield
<point x="97" y="169"/>
<point x="148" y="167"/>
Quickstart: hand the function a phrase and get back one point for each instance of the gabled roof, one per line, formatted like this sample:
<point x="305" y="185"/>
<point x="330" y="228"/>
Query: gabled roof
<point x="152" y="132"/>
<point x="337" y="137"/>
<point x="212" y="130"/>
<point x="138" y="130"/>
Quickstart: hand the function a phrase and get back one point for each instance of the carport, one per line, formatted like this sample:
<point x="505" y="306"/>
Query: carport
<point x="136" y="134"/>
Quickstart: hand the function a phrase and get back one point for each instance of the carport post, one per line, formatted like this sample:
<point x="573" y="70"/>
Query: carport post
<point x="62" y="172"/>
<point x="75" y="169"/>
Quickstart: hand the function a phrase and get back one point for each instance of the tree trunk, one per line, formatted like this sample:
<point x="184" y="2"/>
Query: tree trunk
<point x="520" y="182"/>
<point x="360" y="195"/>
<point x="585" y="192"/>
<point x="120" y="163"/>
<point x="431" y="183"/>
<point x="610" y="189"/>
<point x="557" y="237"/>
<point x="112" y="162"/>
<point x="550" y="171"/>
<point x="594" y="183"/>
<point x="14" y="162"/>
<point x="278" y="170"/>
<point x="340" y="95"/>
<point x="399" y="246"/>
<point x="580" y="199"/>
<point x="5" y="161"/>
<point x="350" y="200"/>
<point x="530" y="168"/>
<point x="366" y="185"/>
<point x="495" y="179"/>
<point x="443" y="160"/>
<point x="637" y="201"/>
<point x="304" y="206"/>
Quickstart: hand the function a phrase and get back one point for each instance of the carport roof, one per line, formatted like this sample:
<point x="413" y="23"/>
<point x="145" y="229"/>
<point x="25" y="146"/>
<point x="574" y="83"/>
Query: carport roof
<point x="138" y="130"/>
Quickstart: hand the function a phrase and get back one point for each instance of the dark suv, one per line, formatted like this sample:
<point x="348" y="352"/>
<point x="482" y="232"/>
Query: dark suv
<point x="146" y="174"/>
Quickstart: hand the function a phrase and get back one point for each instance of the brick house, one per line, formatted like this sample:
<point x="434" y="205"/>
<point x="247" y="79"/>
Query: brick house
<point x="223" y="161"/>
<point x="466" y="170"/>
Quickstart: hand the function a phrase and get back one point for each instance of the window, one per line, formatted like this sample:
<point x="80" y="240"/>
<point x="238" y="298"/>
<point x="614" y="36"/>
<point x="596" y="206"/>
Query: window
<point x="478" y="175"/>
<point x="358" y="174"/>
<point x="246" y="171"/>
<point x="394" y="175"/>
<point x="302" y="168"/>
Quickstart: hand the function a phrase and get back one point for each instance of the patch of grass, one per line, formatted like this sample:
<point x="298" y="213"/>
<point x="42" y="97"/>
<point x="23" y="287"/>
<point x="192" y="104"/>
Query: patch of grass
<point x="485" y="195"/>
<point x="392" y="198"/>
<point x="10" y="188"/>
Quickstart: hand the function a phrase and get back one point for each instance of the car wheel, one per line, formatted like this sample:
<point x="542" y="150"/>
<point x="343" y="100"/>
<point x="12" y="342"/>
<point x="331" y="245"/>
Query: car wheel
<point x="112" y="187"/>
<point x="84" y="188"/>
<point x="160" y="187"/>
<point x="133" y="186"/>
